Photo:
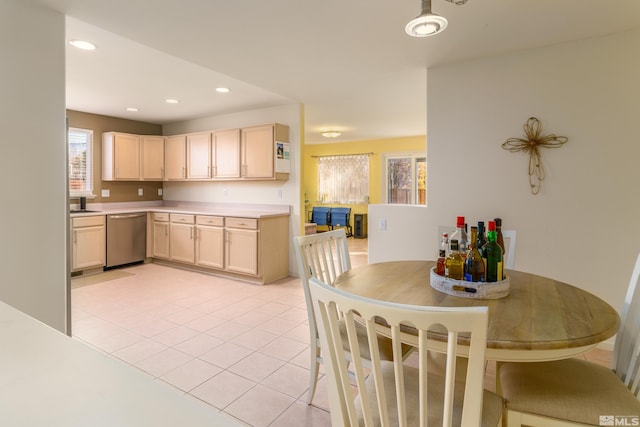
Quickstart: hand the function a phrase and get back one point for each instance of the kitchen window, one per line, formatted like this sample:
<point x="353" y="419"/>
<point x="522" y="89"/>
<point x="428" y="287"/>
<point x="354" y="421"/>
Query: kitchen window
<point x="80" y="143"/>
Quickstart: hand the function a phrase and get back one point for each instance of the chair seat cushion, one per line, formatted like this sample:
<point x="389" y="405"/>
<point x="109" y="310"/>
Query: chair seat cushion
<point x="384" y="343"/>
<point x="492" y="404"/>
<point x="572" y="389"/>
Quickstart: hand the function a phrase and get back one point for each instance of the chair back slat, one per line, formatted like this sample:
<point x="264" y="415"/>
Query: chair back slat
<point x="379" y="401"/>
<point x="626" y="352"/>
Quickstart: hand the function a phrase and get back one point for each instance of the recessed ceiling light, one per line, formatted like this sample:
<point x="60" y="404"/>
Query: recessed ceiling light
<point x="222" y="89"/>
<point x="132" y="109"/>
<point x="331" y="133"/>
<point x="82" y="44"/>
<point x="171" y="101"/>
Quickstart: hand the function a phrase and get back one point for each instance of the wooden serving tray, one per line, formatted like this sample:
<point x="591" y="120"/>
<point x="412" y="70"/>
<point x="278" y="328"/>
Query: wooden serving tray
<point x="464" y="289"/>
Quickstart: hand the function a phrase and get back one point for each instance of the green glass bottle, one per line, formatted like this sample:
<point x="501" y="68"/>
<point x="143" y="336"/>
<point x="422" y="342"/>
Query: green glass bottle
<point x="474" y="264"/>
<point x="493" y="255"/>
<point x="482" y="238"/>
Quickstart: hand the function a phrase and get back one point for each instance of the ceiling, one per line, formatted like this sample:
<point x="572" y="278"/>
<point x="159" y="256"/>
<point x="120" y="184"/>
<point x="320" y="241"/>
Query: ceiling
<point x="348" y="61"/>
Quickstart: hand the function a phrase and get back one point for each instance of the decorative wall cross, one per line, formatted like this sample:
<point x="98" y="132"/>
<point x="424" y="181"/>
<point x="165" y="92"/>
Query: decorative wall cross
<point x="534" y="140"/>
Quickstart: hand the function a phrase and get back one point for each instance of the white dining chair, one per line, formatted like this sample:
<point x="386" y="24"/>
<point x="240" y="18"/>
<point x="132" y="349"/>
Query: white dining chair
<point x="509" y="242"/>
<point x="509" y="237"/>
<point x="394" y="393"/>
<point x="326" y="256"/>
<point x="576" y="392"/>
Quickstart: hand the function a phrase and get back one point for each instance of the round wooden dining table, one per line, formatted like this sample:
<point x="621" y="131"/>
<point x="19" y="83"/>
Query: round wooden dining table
<point x="541" y="319"/>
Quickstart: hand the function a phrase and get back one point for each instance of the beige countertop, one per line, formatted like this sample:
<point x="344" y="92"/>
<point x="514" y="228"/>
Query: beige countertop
<point x="50" y="379"/>
<point x="216" y="209"/>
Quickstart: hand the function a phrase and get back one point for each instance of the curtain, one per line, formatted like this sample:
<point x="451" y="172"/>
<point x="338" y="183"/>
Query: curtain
<point x="343" y="179"/>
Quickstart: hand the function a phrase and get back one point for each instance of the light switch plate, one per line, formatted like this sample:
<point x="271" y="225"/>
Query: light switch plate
<point x="140" y="192"/>
<point x="159" y="191"/>
<point x="105" y="193"/>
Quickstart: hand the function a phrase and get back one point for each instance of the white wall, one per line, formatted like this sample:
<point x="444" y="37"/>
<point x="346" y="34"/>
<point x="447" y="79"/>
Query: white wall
<point x="33" y="189"/>
<point x="254" y="192"/>
<point x="582" y="228"/>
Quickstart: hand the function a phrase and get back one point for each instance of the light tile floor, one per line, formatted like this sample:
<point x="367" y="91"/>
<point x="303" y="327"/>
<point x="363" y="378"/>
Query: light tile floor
<point x="242" y="348"/>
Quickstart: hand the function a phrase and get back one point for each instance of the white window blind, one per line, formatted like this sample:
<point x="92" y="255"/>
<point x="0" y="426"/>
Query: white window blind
<point x="343" y="179"/>
<point x="80" y="142"/>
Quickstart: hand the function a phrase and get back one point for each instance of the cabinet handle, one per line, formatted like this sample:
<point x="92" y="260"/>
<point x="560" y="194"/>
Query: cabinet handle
<point x="244" y="170"/>
<point x="75" y="236"/>
<point x="184" y="172"/>
<point x="166" y="230"/>
<point x="191" y="234"/>
<point x="162" y="173"/>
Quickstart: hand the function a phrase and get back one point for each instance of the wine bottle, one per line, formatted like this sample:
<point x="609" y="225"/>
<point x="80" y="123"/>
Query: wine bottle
<point x="460" y="235"/>
<point x="440" y="263"/>
<point x="474" y="264"/>
<point x="454" y="266"/>
<point x="499" y="238"/>
<point x="444" y="243"/>
<point x="493" y="255"/>
<point x="482" y="238"/>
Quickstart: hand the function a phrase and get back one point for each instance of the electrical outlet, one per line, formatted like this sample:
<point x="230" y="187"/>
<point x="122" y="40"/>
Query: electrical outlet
<point x="280" y="193"/>
<point x="140" y="192"/>
<point x="382" y="224"/>
<point x="225" y="193"/>
<point x="159" y="191"/>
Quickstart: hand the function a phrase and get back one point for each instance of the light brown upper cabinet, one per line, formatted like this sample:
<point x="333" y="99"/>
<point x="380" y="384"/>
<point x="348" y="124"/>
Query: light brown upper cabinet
<point x="226" y="154"/>
<point x="260" y="151"/>
<point x="199" y="156"/>
<point x="120" y="157"/>
<point x="152" y="157"/>
<point x="175" y="158"/>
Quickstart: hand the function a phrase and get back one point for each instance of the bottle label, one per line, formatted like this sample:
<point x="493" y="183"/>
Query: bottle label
<point x="467" y="277"/>
<point x="499" y="275"/>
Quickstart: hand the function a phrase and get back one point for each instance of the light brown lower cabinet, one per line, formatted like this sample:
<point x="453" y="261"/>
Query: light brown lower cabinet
<point x="253" y="249"/>
<point x="88" y="242"/>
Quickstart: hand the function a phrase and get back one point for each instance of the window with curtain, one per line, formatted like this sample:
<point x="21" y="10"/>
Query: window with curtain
<point x="80" y="143"/>
<point x="343" y="179"/>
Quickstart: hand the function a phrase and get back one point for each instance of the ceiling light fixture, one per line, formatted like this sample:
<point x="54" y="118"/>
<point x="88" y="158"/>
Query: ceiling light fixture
<point x="133" y="109"/>
<point x="427" y="23"/>
<point x="82" y="44"/>
<point x="171" y="101"/>
<point x="222" y="90"/>
<point x="331" y="133"/>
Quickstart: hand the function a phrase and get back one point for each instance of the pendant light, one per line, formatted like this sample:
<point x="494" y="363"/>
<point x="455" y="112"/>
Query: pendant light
<point x="427" y="23"/>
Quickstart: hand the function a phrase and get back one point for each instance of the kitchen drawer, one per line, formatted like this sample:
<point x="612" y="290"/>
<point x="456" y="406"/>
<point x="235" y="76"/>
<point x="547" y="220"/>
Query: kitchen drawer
<point x="161" y="216"/>
<point x="183" y="219"/>
<point x="88" y="221"/>
<point x="217" y="221"/>
<point x="248" y="223"/>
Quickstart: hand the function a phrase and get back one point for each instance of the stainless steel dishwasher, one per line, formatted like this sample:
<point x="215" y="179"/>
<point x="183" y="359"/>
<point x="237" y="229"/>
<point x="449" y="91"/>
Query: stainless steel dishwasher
<point x="126" y="238"/>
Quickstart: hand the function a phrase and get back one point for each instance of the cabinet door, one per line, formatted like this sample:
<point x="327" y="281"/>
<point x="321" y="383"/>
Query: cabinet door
<point x="181" y="247"/>
<point x="210" y="246"/>
<point x="88" y="249"/>
<point x="242" y="251"/>
<point x="175" y="150"/>
<point x="152" y="152"/>
<point x="126" y="154"/>
<point x="257" y="152"/>
<point x="161" y="239"/>
<point x="199" y="156"/>
<point x="226" y="154"/>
